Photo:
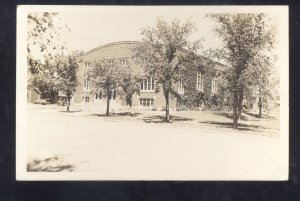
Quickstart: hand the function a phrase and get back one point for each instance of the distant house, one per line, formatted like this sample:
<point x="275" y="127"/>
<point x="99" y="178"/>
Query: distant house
<point x="122" y="53"/>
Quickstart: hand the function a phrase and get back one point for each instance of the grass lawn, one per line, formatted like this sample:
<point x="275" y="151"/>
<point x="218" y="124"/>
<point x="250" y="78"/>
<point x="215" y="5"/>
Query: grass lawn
<point x="222" y="121"/>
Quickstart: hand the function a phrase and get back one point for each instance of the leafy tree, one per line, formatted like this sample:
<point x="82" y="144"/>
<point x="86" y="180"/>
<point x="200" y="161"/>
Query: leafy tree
<point x="43" y="38"/>
<point x="130" y="83"/>
<point x="160" y="54"/>
<point x="66" y="77"/>
<point x="44" y="82"/>
<point x="248" y="40"/>
<point x="105" y="77"/>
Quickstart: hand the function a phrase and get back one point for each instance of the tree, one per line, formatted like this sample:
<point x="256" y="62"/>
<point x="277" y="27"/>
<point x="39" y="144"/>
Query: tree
<point x="44" y="81"/>
<point x="130" y="83"/>
<point x="105" y="76"/>
<point x="66" y="77"/>
<point x="43" y="38"/>
<point x="248" y="40"/>
<point x="161" y="54"/>
<point x="264" y="84"/>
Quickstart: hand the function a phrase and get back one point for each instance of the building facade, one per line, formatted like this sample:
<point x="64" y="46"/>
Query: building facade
<point x="122" y="53"/>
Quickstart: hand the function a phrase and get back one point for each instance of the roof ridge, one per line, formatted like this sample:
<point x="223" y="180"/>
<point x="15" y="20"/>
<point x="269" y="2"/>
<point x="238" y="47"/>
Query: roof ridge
<point x="110" y="44"/>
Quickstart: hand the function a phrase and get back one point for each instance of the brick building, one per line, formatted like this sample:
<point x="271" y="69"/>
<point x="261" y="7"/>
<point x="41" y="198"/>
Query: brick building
<point x="121" y="52"/>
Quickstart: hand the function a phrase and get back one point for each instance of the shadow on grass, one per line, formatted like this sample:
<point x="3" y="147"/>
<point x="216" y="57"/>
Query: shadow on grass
<point x="243" y="116"/>
<point x="161" y="119"/>
<point x="257" y="116"/>
<point x="51" y="164"/>
<point x="230" y="115"/>
<point x="120" y="114"/>
<point x="241" y="127"/>
<point x="64" y="111"/>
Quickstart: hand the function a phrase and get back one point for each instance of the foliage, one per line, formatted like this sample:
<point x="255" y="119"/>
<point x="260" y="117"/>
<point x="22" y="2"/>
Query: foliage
<point x="160" y="54"/>
<point x="130" y="83"/>
<point x="44" y="82"/>
<point x="66" y="80"/>
<point x="105" y="77"/>
<point x="248" y="40"/>
<point x="43" y="38"/>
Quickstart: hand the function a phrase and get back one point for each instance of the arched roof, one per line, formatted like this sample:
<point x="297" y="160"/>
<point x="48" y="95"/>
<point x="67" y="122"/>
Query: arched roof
<point x="122" y="49"/>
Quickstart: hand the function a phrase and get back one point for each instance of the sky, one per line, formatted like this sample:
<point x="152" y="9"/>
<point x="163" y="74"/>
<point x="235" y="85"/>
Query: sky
<point x="93" y="26"/>
<point x="90" y="29"/>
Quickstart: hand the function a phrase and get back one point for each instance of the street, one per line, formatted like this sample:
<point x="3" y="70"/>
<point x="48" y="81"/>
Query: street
<point x="112" y="149"/>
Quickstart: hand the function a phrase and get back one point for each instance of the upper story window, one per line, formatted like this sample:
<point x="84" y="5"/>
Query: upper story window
<point x="180" y="87"/>
<point x="214" y="87"/>
<point x="124" y="62"/>
<point x="110" y="62"/>
<point x="86" y="84"/>
<point x="199" y="85"/>
<point x="87" y="65"/>
<point x="147" y="84"/>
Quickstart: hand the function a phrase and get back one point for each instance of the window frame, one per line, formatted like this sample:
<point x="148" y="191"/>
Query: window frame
<point x="146" y="102"/>
<point x="200" y="82"/>
<point x="180" y="87"/>
<point x="147" y="86"/>
<point x="214" y="87"/>
<point x="86" y="84"/>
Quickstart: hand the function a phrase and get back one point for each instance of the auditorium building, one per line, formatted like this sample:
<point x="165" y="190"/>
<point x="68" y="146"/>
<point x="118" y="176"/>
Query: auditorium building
<point x="122" y="53"/>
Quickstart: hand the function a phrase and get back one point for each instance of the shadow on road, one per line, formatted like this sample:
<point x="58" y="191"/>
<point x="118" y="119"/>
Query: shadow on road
<point x="161" y="119"/>
<point x="52" y="164"/>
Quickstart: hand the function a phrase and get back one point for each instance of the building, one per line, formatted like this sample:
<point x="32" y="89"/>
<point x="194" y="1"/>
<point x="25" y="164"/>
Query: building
<point x="147" y="98"/>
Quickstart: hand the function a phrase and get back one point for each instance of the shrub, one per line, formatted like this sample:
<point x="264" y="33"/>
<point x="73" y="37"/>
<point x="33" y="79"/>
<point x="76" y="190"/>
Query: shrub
<point x="182" y="108"/>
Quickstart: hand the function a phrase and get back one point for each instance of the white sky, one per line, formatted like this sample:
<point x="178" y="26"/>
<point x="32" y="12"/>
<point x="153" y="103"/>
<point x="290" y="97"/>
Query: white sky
<point x="90" y="29"/>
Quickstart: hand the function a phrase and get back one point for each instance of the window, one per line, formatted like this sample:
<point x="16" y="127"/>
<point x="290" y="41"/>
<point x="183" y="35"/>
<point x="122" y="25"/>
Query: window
<point x="199" y="82"/>
<point x="147" y="85"/>
<point x="146" y="102"/>
<point x="124" y="62"/>
<point x="86" y="84"/>
<point x="214" y="87"/>
<point x="180" y="87"/>
<point x="87" y="99"/>
<point x="110" y="62"/>
<point x="99" y="95"/>
<point x="112" y="95"/>
<point x="87" y="65"/>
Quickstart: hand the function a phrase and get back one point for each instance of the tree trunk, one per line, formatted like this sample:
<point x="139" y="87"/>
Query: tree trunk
<point x="68" y="104"/>
<point x="235" y="109"/>
<point x="240" y="105"/>
<point x="129" y="100"/>
<point x="259" y="106"/>
<point x="108" y="101"/>
<point x="167" y="106"/>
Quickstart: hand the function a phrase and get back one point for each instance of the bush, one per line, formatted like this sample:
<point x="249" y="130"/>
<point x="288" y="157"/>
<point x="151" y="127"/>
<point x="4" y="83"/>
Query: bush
<point x="182" y="108"/>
